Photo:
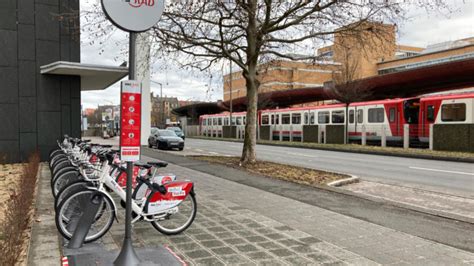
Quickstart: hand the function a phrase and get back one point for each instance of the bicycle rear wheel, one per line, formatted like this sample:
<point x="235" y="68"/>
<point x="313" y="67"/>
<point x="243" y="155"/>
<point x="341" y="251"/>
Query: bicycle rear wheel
<point x="177" y="222"/>
<point x="63" y="180"/>
<point x="70" y="188"/>
<point x="73" y="207"/>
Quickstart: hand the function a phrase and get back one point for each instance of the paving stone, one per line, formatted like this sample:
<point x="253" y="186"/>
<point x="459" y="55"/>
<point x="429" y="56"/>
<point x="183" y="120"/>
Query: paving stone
<point x="254" y="225"/>
<point x="260" y="255"/>
<point x="270" y="245"/>
<point x="235" y="227"/>
<point x="180" y="239"/>
<point x="224" y="235"/>
<point x="203" y="237"/>
<point x="289" y="242"/>
<point x="209" y="261"/>
<point x="282" y="252"/>
<point x="235" y="241"/>
<point x="246" y="248"/>
<point x="188" y="246"/>
<point x="237" y="260"/>
<point x="275" y="236"/>
<point x="217" y="229"/>
<point x="309" y="240"/>
<point x="299" y="261"/>
<point x="284" y="228"/>
<point x="265" y="230"/>
<point x="212" y="243"/>
<point x="198" y="254"/>
<point x="244" y="233"/>
<point x="195" y="231"/>
<point x="255" y="239"/>
<point x="334" y="263"/>
<point x="223" y="251"/>
<point x="302" y="249"/>
<point x="270" y="262"/>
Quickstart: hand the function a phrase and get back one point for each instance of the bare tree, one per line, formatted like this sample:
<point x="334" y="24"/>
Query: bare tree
<point x="200" y="34"/>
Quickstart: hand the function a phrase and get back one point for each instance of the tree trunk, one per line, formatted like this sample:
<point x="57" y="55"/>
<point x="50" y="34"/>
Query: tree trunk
<point x="250" y="140"/>
<point x="249" y="155"/>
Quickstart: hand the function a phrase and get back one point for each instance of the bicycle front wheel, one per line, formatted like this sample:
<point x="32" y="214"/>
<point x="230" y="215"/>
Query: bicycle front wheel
<point x="179" y="219"/>
<point x="72" y="208"/>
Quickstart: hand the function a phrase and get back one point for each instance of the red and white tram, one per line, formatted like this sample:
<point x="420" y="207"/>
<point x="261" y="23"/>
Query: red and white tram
<point x="373" y="117"/>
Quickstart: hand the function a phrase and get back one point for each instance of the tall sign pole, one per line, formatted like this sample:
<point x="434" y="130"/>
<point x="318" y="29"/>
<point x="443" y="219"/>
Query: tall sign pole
<point x="132" y="16"/>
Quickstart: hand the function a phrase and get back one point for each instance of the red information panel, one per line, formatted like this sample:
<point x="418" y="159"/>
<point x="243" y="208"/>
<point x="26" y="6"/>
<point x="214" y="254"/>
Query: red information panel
<point x="131" y="119"/>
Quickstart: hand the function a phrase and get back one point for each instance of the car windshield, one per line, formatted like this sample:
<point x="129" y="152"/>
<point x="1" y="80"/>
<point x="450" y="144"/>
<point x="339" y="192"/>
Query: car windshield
<point x="167" y="133"/>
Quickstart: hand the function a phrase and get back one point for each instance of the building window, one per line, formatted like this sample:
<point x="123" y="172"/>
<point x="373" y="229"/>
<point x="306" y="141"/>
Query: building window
<point x="285" y="119"/>
<point x="265" y="120"/>
<point x="337" y="117"/>
<point x="430" y="113"/>
<point x="455" y="112"/>
<point x="351" y="116"/>
<point x="323" y="117"/>
<point x="376" y="115"/>
<point x="392" y="115"/>
<point x="296" y="119"/>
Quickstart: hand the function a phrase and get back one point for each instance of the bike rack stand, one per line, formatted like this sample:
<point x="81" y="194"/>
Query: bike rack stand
<point x="84" y="223"/>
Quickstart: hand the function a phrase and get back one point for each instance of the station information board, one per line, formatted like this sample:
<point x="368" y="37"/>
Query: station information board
<point x="130" y="120"/>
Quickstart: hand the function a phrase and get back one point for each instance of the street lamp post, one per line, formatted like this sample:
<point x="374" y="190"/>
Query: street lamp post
<point x="161" y="101"/>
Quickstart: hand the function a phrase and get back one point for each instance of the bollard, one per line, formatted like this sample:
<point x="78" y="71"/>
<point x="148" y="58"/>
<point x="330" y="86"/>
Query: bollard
<point x="406" y="136"/>
<point x="364" y="136"/>
<point x="431" y="136"/>
<point x="384" y="137"/>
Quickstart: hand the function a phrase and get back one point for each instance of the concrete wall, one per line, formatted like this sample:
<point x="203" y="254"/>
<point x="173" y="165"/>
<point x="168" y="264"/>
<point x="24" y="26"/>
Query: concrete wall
<point x="36" y="109"/>
<point x="455" y="137"/>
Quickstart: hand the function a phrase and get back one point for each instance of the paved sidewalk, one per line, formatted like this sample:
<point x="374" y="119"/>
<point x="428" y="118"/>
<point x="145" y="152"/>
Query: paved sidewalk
<point x="241" y="225"/>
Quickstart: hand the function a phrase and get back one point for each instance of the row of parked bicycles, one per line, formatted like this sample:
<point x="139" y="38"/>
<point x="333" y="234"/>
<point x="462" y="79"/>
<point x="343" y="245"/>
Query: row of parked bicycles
<point x="81" y="171"/>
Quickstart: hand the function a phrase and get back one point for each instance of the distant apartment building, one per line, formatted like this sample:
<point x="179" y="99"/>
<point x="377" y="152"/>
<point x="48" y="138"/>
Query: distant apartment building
<point x="372" y="51"/>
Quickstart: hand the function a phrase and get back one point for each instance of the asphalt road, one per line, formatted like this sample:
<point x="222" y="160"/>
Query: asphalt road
<point x="440" y="176"/>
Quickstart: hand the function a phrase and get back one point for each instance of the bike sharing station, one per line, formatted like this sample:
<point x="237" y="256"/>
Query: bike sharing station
<point x="96" y="169"/>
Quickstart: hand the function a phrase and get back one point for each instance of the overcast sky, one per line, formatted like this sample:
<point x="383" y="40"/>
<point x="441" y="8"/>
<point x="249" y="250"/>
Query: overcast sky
<point x="421" y="30"/>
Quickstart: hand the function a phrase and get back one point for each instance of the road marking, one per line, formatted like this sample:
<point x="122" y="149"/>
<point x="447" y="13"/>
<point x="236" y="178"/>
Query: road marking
<point x="302" y="155"/>
<point x="439" y="170"/>
<point x="214" y="153"/>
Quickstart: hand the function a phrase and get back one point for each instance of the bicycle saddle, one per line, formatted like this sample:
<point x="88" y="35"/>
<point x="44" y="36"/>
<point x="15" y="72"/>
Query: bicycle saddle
<point x="144" y="165"/>
<point x="158" y="164"/>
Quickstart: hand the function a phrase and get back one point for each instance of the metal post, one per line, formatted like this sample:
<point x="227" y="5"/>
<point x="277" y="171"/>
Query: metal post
<point x="364" y="136"/>
<point x="384" y="137"/>
<point x="281" y="132"/>
<point x="127" y="255"/>
<point x="291" y="132"/>
<point x="406" y="136"/>
<point x="230" y="89"/>
<point x="431" y="137"/>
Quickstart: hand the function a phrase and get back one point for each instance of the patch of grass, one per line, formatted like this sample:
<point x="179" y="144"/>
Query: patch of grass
<point x="279" y="171"/>
<point x="364" y="149"/>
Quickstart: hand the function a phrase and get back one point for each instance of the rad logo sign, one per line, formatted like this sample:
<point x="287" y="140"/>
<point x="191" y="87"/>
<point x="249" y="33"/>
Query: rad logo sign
<point x="130" y="120"/>
<point x="133" y="15"/>
<point x="140" y="3"/>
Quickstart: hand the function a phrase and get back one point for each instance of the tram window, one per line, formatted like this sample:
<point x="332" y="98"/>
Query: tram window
<point x="265" y="120"/>
<point x="244" y="120"/>
<point x="392" y="115"/>
<point x="276" y="119"/>
<point x="306" y="118"/>
<point x="233" y="121"/>
<point x="360" y="116"/>
<point x="219" y="121"/>
<point x="453" y="112"/>
<point x="226" y="121"/>
<point x="430" y="113"/>
<point x="311" y="118"/>
<point x="239" y="121"/>
<point x="296" y="119"/>
<point x="285" y="119"/>
<point x="323" y="117"/>
<point x="376" y="115"/>
<point x="337" y="117"/>
<point x="214" y="121"/>
<point x="204" y="122"/>
<point x="351" y="116"/>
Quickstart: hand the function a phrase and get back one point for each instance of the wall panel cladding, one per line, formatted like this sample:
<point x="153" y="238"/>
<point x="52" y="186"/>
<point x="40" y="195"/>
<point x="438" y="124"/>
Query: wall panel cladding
<point x="9" y="82"/>
<point x="335" y="134"/>
<point x="310" y="133"/>
<point x="453" y="137"/>
<point x="9" y="45"/>
<point x="9" y="121"/>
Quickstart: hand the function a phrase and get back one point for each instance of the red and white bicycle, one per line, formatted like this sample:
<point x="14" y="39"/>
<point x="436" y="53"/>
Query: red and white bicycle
<point x="170" y="207"/>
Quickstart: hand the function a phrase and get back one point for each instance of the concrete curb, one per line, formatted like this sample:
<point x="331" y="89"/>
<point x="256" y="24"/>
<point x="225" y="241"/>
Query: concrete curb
<point x="414" y="156"/>
<point x="343" y="182"/>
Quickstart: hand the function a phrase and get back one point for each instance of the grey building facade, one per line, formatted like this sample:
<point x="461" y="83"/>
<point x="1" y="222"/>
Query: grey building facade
<point x="36" y="109"/>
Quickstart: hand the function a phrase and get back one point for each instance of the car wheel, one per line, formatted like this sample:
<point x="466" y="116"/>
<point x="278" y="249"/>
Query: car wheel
<point x="181" y="149"/>
<point x="149" y="145"/>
